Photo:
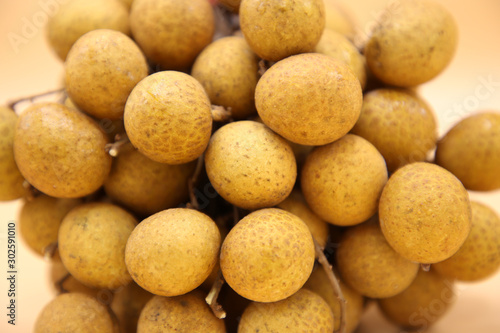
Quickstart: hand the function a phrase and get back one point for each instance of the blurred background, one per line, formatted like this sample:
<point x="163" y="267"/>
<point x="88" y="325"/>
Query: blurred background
<point x="29" y="67"/>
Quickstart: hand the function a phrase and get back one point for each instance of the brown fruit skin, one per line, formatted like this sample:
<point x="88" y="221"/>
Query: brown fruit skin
<point x="60" y="151"/>
<point x="258" y="260"/>
<point x="40" y="219"/>
<point x="278" y="29"/>
<point x="146" y="186"/>
<point x="183" y="314"/>
<point x="76" y="313"/>
<point x="11" y="182"/>
<point x="399" y="123"/>
<point x="172" y="252"/>
<point x="425" y="213"/>
<point x="228" y="70"/>
<point x="170" y="32"/>
<point x="479" y="256"/>
<point x="250" y="166"/>
<point x="92" y="240"/>
<point x="369" y="265"/>
<point x="304" y="311"/>
<point x="168" y="117"/>
<point x="477" y="166"/>
<point x="342" y="181"/>
<point x="102" y="68"/>
<point x="128" y="303"/>
<point x="77" y="17"/>
<point x="319" y="283"/>
<point x="401" y="61"/>
<point x="423" y="303"/>
<point x="310" y="99"/>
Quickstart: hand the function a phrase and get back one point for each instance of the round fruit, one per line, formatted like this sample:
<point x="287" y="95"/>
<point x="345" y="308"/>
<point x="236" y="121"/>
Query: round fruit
<point x="477" y="166"/>
<point x="268" y="255"/>
<point x="128" y="303"/>
<point x="425" y="213"/>
<point x="168" y="117"/>
<point x="310" y="99"/>
<point x="172" y="252"/>
<point x="60" y="151"/>
<point x="342" y="181"/>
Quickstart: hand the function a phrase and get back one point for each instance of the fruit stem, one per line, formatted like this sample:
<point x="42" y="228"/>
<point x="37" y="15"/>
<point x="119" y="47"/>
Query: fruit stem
<point x="212" y="296"/>
<point x="426" y="267"/>
<point x="114" y="148"/>
<point x="32" y="98"/>
<point x="59" y="284"/>
<point x="50" y="251"/>
<point x="192" y="183"/>
<point x="334" y="282"/>
<point x="221" y="114"/>
<point x="263" y="66"/>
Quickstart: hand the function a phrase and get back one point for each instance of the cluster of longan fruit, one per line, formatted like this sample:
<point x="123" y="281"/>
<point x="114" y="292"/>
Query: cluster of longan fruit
<point x="242" y="142"/>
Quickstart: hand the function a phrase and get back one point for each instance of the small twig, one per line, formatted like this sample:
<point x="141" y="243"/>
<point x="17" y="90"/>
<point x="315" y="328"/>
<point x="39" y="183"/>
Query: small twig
<point x="334" y="282"/>
<point x="263" y="66"/>
<point x="31" y="192"/>
<point x="32" y="98"/>
<point x="221" y="114"/>
<point x="192" y="183"/>
<point x="211" y="298"/>
<point x="59" y="284"/>
<point x="114" y="148"/>
<point x="50" y="251"/>
<point x="426" y="267"/>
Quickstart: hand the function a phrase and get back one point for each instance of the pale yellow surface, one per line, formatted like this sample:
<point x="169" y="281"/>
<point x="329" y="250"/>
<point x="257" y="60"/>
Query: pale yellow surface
<point x="34" y="69"/>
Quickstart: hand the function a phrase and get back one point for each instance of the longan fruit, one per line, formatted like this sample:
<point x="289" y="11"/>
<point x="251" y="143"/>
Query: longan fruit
<point x="170" y="32"/>
<point x="268" y="255"/>
<point x="11" y="182"/>
<point x="319" y="283"/>
<point x="399" y="60"/>
<point x="60" y="151"/>
<point x="304" y="311"/>
<point x="310" y="99"/>
<point x="92" y="240"/>
<point x="77" y="17"/>
<point x="40" y="219"/>
<point x="369" y="265"/>
<point x="127" y="304"/>
<point x="172" y="252"/>
<point x="228" y="70"/>
<point x="342" y="181"/>
<point x="184" y="314"/>
<point x="278" y="29"/>
<point x="479" y="256"/>
<point x="102" y="68"/>
<point x="296" y="204"/>
<point x="471" y="151"/>
<point x="168" y="117"/>
<point x="76" y="313"/>
<point x="424" y="213"/>
<point x="338" y="18"/>
<point x="337" y="46"/>
<point x="249" y="165"/>
<point x="399" y="123"/>
<point x="423" y="303"/>
<point x="146" y="186"/>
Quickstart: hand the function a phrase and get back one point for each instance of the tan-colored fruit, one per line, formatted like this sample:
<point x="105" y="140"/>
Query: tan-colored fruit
<point x="338" y="18"/>
<point x="249" y="165"/>
<point x="425" y="213"/>
<point x="76" y="313"/>
<point x="146" y="186"/>
<point x="296" y="205"/>
<point x="342" y="181"/>
<point x="278" y="29"/>
<point x="168" y="117"/>
<point x="471" y="151"/>
<point x="479" y="256"/>
<point x="399" y="123"/>
<point x="321" y="285"/>
<point x="40" y="219"/>
<point x="60" y="151"/>
<point x="369" y="265"/>
<point x="310" y="99"/>
<point x="304" y="311"/>
<point x="128" y="303"/>
<point x="172" y="252"/>
<point x="184" y="314"/>
<point x="423" y="303"/>
<point x="170" y="32"/>
<point x="336" y="45"/>
<point x="268" y="255"/>
<point x="77" y="17"/>
<point x="102" y="68"/>
<point x="228" y="70"/>
<point x="11" y="182"/>
<point x="401" y="61"/>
